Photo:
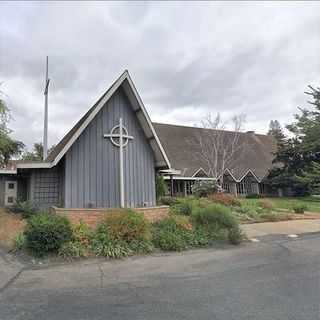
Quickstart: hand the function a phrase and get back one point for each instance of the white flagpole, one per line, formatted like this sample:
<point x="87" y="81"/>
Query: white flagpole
<point x="45" y="126"/>
<point x="121" y="164"/>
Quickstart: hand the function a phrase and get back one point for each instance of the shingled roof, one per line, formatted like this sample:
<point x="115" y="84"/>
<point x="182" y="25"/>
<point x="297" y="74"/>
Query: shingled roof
<point x="182" y="149"/>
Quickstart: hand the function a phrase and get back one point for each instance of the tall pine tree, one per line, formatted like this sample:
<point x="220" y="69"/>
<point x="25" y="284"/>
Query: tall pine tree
<point x="297" y="157"/>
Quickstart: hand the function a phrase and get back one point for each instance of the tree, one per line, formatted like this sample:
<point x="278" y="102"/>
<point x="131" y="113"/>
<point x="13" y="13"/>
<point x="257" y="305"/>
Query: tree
<point x="298" y="155"/>
<point x="311" y="178"/>
<point x="161" y="187"/>
<point x="218" y="147"/>
<point x="8" y="146"/>
<point x="37" y="152"/>
<point x="275" y="130"/>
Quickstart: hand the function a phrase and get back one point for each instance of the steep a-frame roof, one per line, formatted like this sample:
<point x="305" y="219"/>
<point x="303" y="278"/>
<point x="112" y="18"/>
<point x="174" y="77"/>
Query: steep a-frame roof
<point x="130" y="90"/>
<point x="180" y="143"/>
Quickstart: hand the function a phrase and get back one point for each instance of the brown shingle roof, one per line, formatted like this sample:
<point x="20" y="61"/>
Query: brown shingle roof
<point x="179" y="144"/>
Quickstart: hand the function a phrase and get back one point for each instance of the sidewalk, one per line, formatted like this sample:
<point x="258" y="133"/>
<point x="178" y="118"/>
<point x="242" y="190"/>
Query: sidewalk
<point x="283" y="227"/>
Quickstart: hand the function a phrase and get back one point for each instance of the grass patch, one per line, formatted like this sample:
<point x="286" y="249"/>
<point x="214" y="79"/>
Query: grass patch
<point x="289" y="203"/>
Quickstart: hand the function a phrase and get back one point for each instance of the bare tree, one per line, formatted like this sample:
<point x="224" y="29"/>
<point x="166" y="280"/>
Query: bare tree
<point x="218" y="148"/>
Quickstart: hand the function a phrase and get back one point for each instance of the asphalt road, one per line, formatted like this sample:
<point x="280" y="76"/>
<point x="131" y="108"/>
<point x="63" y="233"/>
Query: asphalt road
<point x="277" y="278"/>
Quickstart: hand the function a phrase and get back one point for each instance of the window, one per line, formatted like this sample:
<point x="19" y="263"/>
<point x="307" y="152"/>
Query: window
<point x="11" y="185"/>
<point x="10" y="199"/>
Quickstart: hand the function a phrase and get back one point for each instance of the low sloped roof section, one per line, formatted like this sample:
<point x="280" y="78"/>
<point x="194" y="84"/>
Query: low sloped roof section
<point x="130" y="90"/>
<point x="180" y="143"/>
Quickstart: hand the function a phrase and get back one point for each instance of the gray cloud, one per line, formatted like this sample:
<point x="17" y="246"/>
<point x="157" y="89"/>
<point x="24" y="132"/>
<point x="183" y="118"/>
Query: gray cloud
<point x="187" y="59"/>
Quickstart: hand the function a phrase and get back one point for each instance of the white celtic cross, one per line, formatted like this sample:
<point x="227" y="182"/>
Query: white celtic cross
<point x="120" y="138"/>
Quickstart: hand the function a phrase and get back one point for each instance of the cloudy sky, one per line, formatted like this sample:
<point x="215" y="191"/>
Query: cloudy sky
<point x="186" y="59"/>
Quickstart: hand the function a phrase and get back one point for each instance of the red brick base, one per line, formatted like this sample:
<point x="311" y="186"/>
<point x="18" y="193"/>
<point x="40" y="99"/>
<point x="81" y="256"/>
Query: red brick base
<point x="93" y="216"/>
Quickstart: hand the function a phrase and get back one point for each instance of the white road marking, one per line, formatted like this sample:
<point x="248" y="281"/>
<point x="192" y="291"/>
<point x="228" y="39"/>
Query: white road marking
<point x="254" y="240"/>
<point x="292" y="236"/>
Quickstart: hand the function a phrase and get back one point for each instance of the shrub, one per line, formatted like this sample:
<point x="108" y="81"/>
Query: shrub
<point x="226" y="199"/>
<point x="47" y="233"/>
<point x="79" y="245"/>
<point x="127" y="226"/>
<point x="141" y="247"/>
<point x="265" y="204"/>
<point x="104" y="245"/>
<point x="72" y="250"/>
<point x="214" y="215"/>
<point x="254" y="196"/>
<point x="161" y="187"/>
<point x="169" y="201"/>
<point x="184" y="207"/>
<point x="20" y="241"/>
<point x="299" y="208"/>
<point x="170" y="236"/>
<point x="25" y="208"/>
<point x="204" y="188"/>
<point x="235" y="235"/>
<point x="247" y="212"/>
<point x="272" y="217"/>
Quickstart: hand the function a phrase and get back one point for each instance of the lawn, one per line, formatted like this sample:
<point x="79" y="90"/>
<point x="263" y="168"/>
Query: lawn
<point x="10" y="226"/>
<point x="312" y="203"/>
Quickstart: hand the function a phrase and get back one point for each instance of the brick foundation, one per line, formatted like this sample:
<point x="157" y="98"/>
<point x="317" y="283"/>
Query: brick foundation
<point x="93" y="216"/>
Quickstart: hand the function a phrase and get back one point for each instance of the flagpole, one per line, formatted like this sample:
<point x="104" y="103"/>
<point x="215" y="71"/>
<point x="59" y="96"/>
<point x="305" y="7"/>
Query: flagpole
<point x="45" y="126"/>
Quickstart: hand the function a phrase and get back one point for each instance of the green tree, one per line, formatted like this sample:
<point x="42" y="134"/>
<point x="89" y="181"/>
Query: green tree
<point x="296" y="156"/>
<point x="8" y="146"/>
<point x="161" y="187"/>
<point x="311" y="178"/>
<point x="275" y="130"/>
<point x="36" y="154"/>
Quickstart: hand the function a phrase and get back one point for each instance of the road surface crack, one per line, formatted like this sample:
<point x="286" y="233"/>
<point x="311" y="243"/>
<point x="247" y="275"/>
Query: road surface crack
<point x="12" y="280"/>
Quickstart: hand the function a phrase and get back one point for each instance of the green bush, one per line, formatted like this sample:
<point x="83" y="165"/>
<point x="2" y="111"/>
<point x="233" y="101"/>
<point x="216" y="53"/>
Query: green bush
<point x="46" y="233"/>
<point x="103" y="244"/>
<point x="299" y="208"/>
<point x="141" y="247"/>
<point x="169" y="201"/>
<point x="20" y="241"/>
<point x="254" y="196"/>
<point x="235" y="235"/>
<point x="204" y="188"/>
<point x="127" y="226"/>
<point x="25" y="208"/>
<point x="72" y="250"/>
<point x="168" y="235"/>
<point x="161" y="187"/>
<point x="122" y="234"/>
<point x="214" y="215"/>
<point x="79" y="245"/>
<point x="184" y="207"/>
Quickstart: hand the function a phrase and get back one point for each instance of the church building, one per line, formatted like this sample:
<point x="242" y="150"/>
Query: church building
<point x="111" y="156"/>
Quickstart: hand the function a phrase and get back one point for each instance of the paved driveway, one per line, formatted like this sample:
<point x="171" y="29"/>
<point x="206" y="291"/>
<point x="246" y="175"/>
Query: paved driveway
<point x="277" y="278"/>
<point x="284" y="227"/>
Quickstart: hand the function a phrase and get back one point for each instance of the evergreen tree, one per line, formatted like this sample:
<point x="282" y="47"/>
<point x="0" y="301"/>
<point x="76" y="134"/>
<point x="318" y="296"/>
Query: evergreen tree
<point x="276" y="131"/>
<point x="311" y="178"/>
<point x="297" y="157"/>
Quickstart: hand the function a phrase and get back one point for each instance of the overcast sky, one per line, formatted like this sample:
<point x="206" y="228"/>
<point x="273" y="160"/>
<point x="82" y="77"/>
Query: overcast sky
<point x="186" y="59"/>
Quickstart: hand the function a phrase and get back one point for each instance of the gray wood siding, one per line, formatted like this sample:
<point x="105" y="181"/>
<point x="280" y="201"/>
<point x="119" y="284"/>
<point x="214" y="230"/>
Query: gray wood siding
<point x="92" y="163"/>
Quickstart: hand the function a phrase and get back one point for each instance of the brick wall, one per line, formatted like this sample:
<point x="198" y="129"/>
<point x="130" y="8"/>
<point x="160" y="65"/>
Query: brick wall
<point x="93" y="216"/>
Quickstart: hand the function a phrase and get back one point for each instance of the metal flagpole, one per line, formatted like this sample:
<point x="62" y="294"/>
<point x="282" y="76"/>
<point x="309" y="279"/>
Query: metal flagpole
<point x="121" y="164"/>
<point x="45" y="127"/>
